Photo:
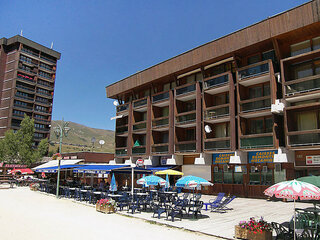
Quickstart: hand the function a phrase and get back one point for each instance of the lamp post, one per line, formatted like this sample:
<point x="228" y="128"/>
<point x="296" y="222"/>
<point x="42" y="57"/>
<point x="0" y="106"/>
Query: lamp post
<point x="60" y="130"/>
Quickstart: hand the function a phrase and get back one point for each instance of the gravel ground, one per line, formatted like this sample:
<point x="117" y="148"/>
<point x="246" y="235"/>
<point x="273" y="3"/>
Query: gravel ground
<point x="25" y="214"/>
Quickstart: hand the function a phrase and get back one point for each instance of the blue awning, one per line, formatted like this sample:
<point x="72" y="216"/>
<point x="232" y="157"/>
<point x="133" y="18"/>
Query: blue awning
<point x="127" y="169"/>
<point x="97" y="168"/>
<point x="55" y="168"/>
<point x="155" y="169"/>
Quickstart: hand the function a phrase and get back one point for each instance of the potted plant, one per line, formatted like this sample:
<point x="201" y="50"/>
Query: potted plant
<point x="254" y="230"/>
<point x="106" y="205"/>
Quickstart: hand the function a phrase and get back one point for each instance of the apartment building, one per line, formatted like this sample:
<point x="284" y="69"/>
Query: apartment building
<point x="27" y="78"/>
<point x="241" y="111"/>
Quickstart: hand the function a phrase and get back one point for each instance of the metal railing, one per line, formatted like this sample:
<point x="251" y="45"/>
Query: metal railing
<point x="304" y="139"/>
<point x="187" y="89"/>
<point x="216" y="113"/>
<point x="217" y="145"/>
<point x="186" y="118"/>
<point x="139" y="150"/>
<point x="185" y="147"/>
<point x="308" y="85"/>
<point x="139" y="126"/>
<point x="160" y="122"/>
<point x="122" y="107"/>
<point x="256" y="105"/>
<point x="160" y="149"/>
<point x="140" y="103"/>
<point x="256" y="142"/>
<point x="253" y="71"/>
<point x="160" y="97"/>
<point x="216" y="81"/>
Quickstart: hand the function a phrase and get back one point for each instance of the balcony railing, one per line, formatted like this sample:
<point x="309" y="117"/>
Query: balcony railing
<point x="121" y="130"/>
<point x="160" y="97"/>
<point x="22" y="106"/>
<point x="213" y="145"/>
<point x="216" y="113"/>
<point x="185" y="90"/>
<point x="254" y="70"/>
<point x="216" y="81"/>
<point x="25" y="88"/>
<point x="256" y="105"/>
<point x="26" y="70"/>
<point x="160" y="149"/>
<point x="121" y="152"/>
<point x="18" y="115"/>
<point x="186" y="146"/>
<point x="139" y="150"/>
<point x="26" y="79"/>
<point x="30" y="52"/>
<point x="41" y="120"/>
<point x="44" y="94"/>
<point x="48" y="59"/>
<point x="186" y="118"/>
<point x="160" y="122"/>
<point x="24" y="97"/>
<point x="302" y="86"/>
<point x="122" y="107"/>
<point x="139" y="126"/>
<point x="140" y="103"/>
<point x="42" y="129"/>
<point x="45" y="85"/>
<point x="297" y="139"/>
<point x="256" y="142"/>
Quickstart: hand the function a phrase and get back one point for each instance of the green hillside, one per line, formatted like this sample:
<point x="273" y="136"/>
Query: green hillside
<point x="79" y="139"/>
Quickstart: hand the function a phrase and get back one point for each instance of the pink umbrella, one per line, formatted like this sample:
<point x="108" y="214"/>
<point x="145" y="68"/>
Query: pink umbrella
<point x="294" y="190"/>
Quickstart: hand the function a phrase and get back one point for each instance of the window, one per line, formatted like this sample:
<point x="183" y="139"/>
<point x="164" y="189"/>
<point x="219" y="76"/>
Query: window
<point x="307" y="120"/>
<point x="302" y="70"/>
<point x="260" y="125"/>
<point x="227" y="174"/>
<point x="165" y="111"/>
<point x="190" y="134"/>
<point x="217" y="174"/>
<point x="316" y="43"/>
<point x="269" y="55"/>
<point x="254" y="59"/>
<point x="221" y="130"/>
<point x="255" y="92"/>
<point x="221" y="99"/>
<point x="300" y="48"/>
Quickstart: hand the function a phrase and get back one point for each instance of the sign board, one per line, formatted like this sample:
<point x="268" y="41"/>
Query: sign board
<point x="313" y="160"/>
<point x="261" y="156"/>
<point x="140" y="162"/>
<point x="221" y="158"/>
<point x="15" y="166"/>
<point x="74" y="157"/>
<point x="66" y="158"/>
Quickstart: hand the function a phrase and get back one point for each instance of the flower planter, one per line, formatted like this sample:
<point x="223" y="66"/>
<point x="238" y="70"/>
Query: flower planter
<point x="105" y="209"/>
<point x="244" y="233"/>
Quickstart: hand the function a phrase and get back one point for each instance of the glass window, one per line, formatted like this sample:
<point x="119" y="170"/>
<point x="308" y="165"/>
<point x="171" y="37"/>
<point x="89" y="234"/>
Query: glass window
<point x="316" y="43"/>
<point x="238" y="175"/>
<point x="255" y="92"/>
<point x="199" y="77"/>
<point x="227" y="174"/>
<point x="165" y="111"/>
<point x="302" y="70"/>
<point x="166" y="87"/>
<point x="253" y="59"/>
<point x="279" y="175"/>
<point x="256" y="126"/>
<point x="269" y="55"/>
<point x="269" y="124"/>
<point x="266" y="89"/>
<point x="217" y="175"/>
<point x="190" y="78"/>
<point x="266" y="176"/>
<point x="317" y="67"/>
<point x="221" y="130"/>
<point x="254" y="176"/>
<point x="300" y="48"/>
<point x="221" y="99"/>
<point x="307" y="120"/>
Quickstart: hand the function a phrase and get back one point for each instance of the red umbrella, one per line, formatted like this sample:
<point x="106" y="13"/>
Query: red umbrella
<point x="22" y="171"/>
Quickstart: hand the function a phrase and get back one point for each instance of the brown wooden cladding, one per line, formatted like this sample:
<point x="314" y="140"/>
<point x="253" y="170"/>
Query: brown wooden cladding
<point x="293" y="19"/>
<point x="300" y="157"/>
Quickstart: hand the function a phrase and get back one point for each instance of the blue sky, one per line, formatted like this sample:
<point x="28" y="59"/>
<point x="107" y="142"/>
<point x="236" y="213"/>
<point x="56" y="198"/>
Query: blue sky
<point x="104" y="41"/>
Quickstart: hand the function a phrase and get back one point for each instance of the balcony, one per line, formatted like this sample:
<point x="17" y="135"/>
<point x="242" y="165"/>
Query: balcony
<point x="45" y="76"/>
<point x="44" y="94"/>
<point x="19" y="116"/>
<point x="217" y="84"/>
<point x="21" y="97"/>
<point x="140" y="103"/>
<point x="42" y="120"/>
<point x="254" y="73"/>
<point x="48" y="86"/>
<point x="121" y="151"/>
<point x="42" y="111"/>
<point x="217" y="144"/>
<point x="214" y="113"/>
<point x="25" y="89"/>
<point x="43" y="102"/>
<point x="186" y="119"/>
<point x="187" y="146"/>
<point x="23" y="107"/>
<point x="123" y="107"/>
<point x="140" y="126"/>
<point x="138" y="150"/>
<point x="302" y="89"/>
<point x="160" y="148"/>
<point x="304" y="138"/>
<point x="160" y="100"/>
<point x="26" y="79"/>
<point x="38" y="129"/>
<point x="45" y="68"/>
<point x="161" y="123"/>
<point x="186" y="93"/>
<point x="255" y="104"/>
<point x="48" y="59"/>
<point x="30" y="52"/>
<point x="122" y="130"/>
<point x="25" y="69"/>
<point x="264" y="140"/>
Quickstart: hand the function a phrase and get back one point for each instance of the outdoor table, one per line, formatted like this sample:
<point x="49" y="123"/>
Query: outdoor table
<point x="83" y="190"/>
<point x="72" y="189"/>
<point x="206" y="205"/>
<point x="97" y="192"/>
<point x="114" y="196"/>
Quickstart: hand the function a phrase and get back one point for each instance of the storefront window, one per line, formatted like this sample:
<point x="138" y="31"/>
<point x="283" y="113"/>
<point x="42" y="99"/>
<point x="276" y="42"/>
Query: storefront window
<point x="266" y="176"/>
<point x="279" y="175"/>
<point x="254" y="176"/>
<point x="217" y="175"/>
<point x="238" y="175"/>
<point x="227" y="175"/>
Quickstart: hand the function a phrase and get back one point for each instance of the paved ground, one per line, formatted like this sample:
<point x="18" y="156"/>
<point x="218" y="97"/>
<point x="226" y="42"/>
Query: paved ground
<point x="25" y="214"/>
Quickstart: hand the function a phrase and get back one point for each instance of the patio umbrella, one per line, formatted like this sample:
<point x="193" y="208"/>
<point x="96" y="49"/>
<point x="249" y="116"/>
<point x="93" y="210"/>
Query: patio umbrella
<point x="113" y="184"/>
<point x="192" y="182"/>
<point x="294" y="190"/>
<point x="315" y="180"/>
<point x="169" y="172"/>
<point x="22" y="171"/>
<point x="167" y="185"/>
<point x="151" y="180"/>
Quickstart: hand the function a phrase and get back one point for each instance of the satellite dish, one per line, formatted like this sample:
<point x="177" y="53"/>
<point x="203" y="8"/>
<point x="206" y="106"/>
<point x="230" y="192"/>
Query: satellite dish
<point x="101" y="142"/>
<point x="208" y="129"/>
<point x="115" y="102"/>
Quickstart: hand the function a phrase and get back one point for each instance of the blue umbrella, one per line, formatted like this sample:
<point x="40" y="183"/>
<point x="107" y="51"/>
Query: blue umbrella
<point x="151" y="180"/>
<point x="192" y="182"/>
<point x="113" y="184"/>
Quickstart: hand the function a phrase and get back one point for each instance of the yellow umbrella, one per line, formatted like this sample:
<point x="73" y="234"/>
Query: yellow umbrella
<point x="169" y="172"/>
